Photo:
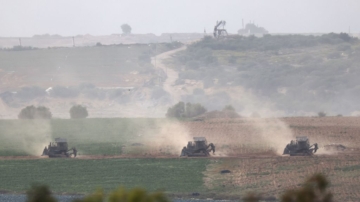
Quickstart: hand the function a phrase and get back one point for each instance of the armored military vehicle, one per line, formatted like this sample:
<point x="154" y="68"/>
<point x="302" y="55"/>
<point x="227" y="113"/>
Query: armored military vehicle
<point x="198" y="147"/>
<point x="59" y="148"/>
<point x="300" y="147"/>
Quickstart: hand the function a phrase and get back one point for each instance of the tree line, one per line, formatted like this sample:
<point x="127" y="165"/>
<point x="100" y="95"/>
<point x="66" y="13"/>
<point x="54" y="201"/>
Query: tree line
<point x="41" y="112"/>
<point x="314" y="189"/>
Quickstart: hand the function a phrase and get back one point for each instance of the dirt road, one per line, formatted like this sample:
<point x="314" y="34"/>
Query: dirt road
<point x="159" y="62"/>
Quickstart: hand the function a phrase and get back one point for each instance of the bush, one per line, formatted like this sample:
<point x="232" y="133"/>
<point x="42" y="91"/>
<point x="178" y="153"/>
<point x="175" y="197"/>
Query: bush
<point x="126" y="29"/>
<point x="177" y="111"/>
<point x="32" y="112"/>
<point x="321" y="114"/>
<point x="39" y="193"/>
<point x="314" y="189"/>
<point x="193" y="110"/>
<point x="180" y="110"/>
<point x="78" y="112"/>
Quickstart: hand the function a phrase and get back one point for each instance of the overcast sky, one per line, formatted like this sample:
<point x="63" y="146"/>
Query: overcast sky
<point x="104" y="17"/>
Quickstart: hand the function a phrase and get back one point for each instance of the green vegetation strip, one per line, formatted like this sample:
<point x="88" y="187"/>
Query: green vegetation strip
<point x="84" y="176"/>
<point x="97" y="136"/>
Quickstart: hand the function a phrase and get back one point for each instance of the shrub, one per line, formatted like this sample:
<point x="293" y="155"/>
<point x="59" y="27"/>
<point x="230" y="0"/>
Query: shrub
<point x="314" y="189"/>
<point x="321" y="114"/>
<point x="126" y="29"/>
<point x="193" y="110"/>
<point x="177" y="111"/>
<point x="180" y="110"/>
<point x="78" y="112"/>
<point x="32" y="112"/>
<point x="39" y="193"/>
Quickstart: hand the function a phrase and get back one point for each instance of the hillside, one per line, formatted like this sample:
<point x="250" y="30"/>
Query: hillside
<point x="103" y="78"/>
<point x="289" y="74"/>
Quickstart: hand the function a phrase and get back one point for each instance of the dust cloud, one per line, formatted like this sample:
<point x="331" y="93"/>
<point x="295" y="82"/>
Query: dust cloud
<point x="31" y="136"/>
<point x="162" y="137"/>
<point x="245" y="136"/>
<point x="264" y="134"/>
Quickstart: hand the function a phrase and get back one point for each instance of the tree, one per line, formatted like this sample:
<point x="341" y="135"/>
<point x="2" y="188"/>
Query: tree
<point x="321" y="114"/>
<point x="126" y="29"/>
<point x="180" y="110"/>
<point x="193" y="110"/>
<point x="124" y="195"/>
<point x="78" y="112"/>
<point x="313" y="190"/>
<point x="39" y="193"/>
<point x="32" y="112"/>
<point x="177" y="111"/>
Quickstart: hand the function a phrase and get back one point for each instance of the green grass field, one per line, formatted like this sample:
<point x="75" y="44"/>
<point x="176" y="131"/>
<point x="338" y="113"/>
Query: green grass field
<point x="85" y="176"/>
<point x="98" y="136"/>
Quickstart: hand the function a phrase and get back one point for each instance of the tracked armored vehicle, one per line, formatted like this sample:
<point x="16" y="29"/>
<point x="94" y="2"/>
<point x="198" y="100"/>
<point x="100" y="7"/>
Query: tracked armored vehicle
<point x="300" y="147"/>
<point x="198" y="148"/>
<point x="59" y="149"/>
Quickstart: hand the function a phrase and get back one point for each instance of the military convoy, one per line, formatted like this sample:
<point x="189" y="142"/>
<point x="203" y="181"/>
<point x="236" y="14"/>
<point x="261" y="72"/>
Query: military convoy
<point x="59" y="149"/>
<point x="198" y="148"/>
<point x="300" y="147"/>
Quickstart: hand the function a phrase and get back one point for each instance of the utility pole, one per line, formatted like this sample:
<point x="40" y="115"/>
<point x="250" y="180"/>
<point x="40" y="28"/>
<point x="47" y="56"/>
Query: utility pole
<point x="73" y="38"/>
<point x="20" y="41"/>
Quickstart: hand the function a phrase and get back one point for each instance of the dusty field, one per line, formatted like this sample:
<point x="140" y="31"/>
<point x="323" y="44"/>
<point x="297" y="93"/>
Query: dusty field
<point x="249" y="148"/>
<point x="259" y="135"/>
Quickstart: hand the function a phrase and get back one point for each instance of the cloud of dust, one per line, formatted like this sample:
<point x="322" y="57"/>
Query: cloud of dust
<point x="249" y="136"/>
<point x="253" y="134"/>
<point x="322" y="151"/>
<point x="164" y="137"/>
<point x="29" y="136"/>
<point x="243" y="136"/>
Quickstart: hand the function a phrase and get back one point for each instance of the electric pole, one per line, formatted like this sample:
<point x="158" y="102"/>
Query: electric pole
<point x="73" y="38"/>
<point x="20" y="41"/>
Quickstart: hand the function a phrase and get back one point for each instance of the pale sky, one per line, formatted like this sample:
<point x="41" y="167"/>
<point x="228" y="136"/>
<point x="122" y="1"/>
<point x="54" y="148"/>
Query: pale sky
<point x="103" y="17"/>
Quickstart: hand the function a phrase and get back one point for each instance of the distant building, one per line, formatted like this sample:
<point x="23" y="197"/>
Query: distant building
<point x="252" y="29"/>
